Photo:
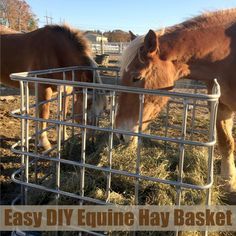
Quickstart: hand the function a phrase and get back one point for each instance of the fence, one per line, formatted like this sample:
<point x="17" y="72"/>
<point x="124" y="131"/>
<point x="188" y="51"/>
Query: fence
<point x="109" y="48"/>
<point x="28" y="176"/>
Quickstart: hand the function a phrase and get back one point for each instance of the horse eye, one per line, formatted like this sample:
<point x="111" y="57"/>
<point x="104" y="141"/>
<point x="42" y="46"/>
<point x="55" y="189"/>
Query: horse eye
<point x="136" y="79"/>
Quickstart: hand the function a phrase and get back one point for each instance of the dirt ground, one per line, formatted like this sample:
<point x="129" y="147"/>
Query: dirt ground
<point x="9" y="134"/>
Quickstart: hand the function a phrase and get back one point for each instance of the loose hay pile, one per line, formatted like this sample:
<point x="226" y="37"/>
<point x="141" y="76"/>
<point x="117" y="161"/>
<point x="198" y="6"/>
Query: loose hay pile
<point x="155" y="162"/>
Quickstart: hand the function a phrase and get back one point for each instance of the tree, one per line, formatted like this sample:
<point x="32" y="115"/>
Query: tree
<point x="113" y="36"/>
<point x="17" y="14"/>
<point x="117" y="36"/>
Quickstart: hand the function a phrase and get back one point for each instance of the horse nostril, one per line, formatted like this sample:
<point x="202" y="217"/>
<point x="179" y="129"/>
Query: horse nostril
<point x="122" y="138"/>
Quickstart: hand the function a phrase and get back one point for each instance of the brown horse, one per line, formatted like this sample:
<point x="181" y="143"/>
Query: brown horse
<point x="202" y="48"/>
<point x="49" y="47"/>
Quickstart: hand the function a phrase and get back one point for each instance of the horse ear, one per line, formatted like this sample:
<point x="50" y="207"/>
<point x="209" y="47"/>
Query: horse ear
<point x="132" y="35"/>
<point x="151" y="43"/>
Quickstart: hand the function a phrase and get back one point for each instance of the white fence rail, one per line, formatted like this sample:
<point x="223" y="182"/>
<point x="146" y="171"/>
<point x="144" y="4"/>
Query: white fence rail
<point x="109" y="48"/>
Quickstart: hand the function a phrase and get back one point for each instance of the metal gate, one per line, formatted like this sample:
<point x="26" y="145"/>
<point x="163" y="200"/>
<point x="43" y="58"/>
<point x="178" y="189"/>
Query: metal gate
<point x="28" y="175"/>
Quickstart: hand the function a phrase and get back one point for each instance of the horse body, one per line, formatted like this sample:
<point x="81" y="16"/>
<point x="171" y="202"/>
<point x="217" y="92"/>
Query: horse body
<point x="203" y="48"/>
<point x="45" y="48"/>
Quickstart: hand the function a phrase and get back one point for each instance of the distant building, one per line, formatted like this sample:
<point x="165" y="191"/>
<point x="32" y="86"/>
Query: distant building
<point x="96" y="38"/>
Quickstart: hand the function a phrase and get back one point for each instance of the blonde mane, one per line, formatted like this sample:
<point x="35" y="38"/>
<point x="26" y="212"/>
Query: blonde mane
<point x="130" y="52"/>
<point x="133" y="49"/>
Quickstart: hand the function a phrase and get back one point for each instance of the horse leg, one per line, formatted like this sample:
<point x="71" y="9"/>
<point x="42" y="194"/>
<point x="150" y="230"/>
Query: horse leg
<point x="44" y="95"/>
<point x="226" y="146"/>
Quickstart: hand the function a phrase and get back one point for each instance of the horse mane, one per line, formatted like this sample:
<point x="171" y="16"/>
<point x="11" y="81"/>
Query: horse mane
<point x="207" y="19"/>
<point x="73" y="34"/>
<point x="130" y="52"/>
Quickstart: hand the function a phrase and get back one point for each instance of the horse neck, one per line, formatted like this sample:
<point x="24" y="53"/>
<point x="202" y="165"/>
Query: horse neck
<point x="199" y="49"/>
<point x="193" y="44"/>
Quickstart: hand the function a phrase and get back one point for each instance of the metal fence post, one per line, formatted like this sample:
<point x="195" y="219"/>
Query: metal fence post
<point x="22" y="111"/>
<point x="83" y="150"/>
<point x="138" y="159"/>
<point x="110" y="145"/>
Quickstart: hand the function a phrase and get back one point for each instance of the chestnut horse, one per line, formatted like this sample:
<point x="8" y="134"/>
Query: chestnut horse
<point x="49" y="47"/>
<point x="202" y="48"/>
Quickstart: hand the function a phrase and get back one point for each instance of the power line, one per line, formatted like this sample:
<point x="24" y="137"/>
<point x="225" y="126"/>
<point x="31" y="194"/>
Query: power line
<point x="47" y="19"/>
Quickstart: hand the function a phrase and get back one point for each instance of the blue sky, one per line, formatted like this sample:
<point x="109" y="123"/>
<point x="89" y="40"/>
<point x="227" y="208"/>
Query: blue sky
<point x="138" y="16"/>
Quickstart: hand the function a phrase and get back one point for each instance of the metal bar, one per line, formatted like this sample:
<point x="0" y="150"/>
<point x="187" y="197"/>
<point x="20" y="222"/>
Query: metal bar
<point x="93" y="102"/>
<point x="56" y="191"/>
<point x="211" y="155"/>
<point x="73" y="103"/>
<point x="138" y="159"/>
<point x="190" y="103"/>
<point x="50" y="100"/>
<point x="117" y="88"/>
<point x="193" y="116"/>
<point x="22" y="109"/>
<point x="36" y="129"/>
<point x="59" y="117"/>
<point x="212" y="136"/>
<point x="94" y="118"/>
<point x="83" y="146"/>
<point x="154" y="137"/>
<point x="182" y="150"/>
<point x="64" y="109"/>
<point x="66" y="69"/>
<point x="181" y="155"/>
<point x="167" y="118"/>
<point x="110" y="145"/>
<point x="70" y="94"/>
<point x="26" y="85"/>
<point x="119" y="172"/>
<point x="43" y="130"/>
<point x="166" y="123"/>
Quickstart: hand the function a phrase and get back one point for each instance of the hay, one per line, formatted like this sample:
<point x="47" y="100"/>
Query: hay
<point x="155" y="162"/>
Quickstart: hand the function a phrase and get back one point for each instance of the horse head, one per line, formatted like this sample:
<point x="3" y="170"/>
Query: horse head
<point x="143" y="67"/>
<point x="96" y="99"/>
